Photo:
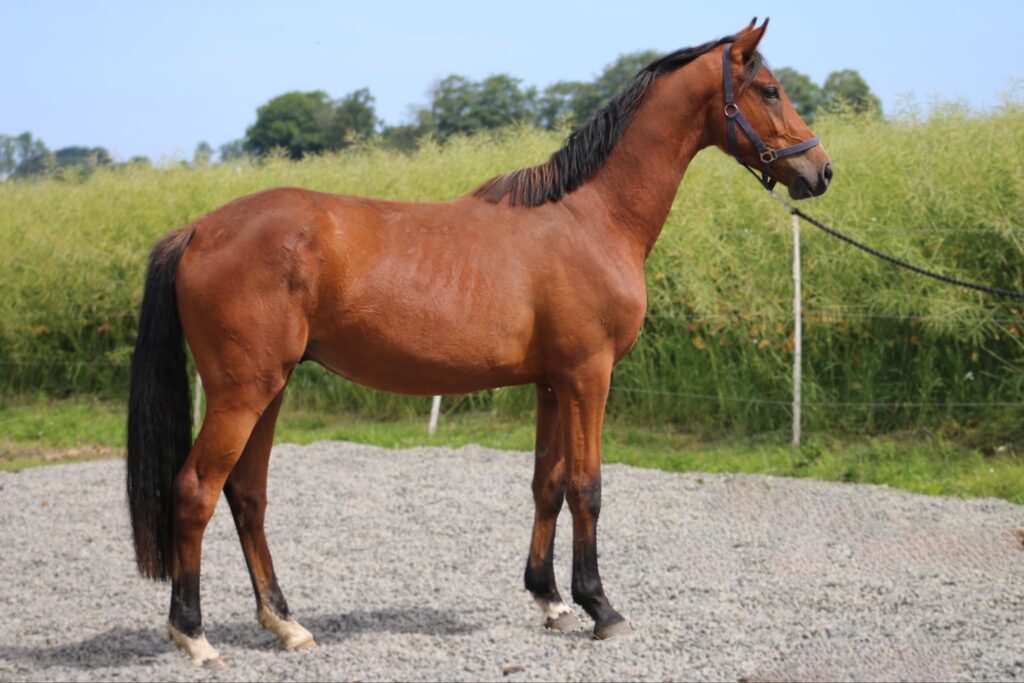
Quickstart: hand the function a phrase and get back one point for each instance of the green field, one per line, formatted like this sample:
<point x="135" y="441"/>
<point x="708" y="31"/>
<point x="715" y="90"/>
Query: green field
<point x="925" y="462"/>
<point x="946" y="190"/>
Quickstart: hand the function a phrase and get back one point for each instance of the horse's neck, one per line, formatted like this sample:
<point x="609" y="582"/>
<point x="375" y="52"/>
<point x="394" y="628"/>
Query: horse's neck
<point x="639" y="182"/>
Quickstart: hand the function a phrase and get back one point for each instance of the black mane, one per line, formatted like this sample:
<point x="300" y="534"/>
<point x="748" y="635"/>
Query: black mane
<point x="587" y="149"/>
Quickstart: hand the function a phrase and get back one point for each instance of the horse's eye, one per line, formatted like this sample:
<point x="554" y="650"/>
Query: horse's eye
<point x="770" y="92"/>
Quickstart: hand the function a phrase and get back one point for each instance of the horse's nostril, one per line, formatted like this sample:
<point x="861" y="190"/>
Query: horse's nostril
<point x="828" y="172"/>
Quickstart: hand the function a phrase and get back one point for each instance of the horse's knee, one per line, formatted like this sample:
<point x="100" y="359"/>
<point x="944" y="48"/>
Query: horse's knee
<point x="584" y="496"/>
<point x="548" y="495"/>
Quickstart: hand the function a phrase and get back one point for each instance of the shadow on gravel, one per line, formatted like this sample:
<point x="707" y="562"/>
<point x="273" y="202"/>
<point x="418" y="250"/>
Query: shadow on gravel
<point x="328" y="628"/>
<point x="121" y="647"/>
<point x="333" y="628"/>
<point x="115" y="648"/>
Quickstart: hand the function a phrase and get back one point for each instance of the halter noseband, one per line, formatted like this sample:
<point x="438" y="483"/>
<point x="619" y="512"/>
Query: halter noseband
<point x="734" y="116"/>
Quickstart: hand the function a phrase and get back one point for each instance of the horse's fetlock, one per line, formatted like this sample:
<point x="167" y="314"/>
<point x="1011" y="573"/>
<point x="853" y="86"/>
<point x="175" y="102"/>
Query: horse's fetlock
<point x="586" y="587"/>
<point x="539" y="579"/>
<point x="273" y="599"/>
<point x="186" y="614"/>
<point x="589" y="597"/>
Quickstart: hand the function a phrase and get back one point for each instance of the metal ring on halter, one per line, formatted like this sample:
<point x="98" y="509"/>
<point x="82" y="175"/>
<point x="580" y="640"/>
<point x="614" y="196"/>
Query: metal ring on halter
<point x="731" y="110"/>
<point x="768" y="156"/>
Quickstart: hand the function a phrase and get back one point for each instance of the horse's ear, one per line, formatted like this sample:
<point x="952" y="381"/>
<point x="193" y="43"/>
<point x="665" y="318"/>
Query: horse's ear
<point x="746" y="44"/>
<point x="747" y="29"/>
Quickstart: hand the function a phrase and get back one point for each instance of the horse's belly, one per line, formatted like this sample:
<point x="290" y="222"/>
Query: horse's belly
<point x="425" y="359"/>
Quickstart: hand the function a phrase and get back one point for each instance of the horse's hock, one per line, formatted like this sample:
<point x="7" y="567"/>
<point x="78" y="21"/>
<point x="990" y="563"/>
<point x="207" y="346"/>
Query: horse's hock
<point x="408" y="565"/>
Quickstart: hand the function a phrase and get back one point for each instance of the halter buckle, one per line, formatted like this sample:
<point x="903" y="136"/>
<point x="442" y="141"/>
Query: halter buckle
<point x="731" y="110"/>
<point x="768" y="156"/>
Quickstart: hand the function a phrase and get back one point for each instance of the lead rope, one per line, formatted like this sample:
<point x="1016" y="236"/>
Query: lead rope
<point x="997" y="291"/>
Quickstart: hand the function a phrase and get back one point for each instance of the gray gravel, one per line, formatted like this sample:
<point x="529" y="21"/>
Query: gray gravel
<point x="408" y="565"/>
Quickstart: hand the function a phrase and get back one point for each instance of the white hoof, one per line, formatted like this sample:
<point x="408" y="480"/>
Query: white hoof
<point x="289" y="632"/>
<point x="198" y="649"/>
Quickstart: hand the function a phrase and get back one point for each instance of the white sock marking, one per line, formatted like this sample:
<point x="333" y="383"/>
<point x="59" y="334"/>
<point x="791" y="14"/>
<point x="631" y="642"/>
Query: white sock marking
<point x="288" y="631"/>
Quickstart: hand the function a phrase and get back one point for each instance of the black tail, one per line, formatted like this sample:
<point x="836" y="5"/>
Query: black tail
<point x="159" y="414"/>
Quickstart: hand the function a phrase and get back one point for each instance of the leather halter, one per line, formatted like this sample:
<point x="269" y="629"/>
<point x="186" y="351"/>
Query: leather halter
<point x="734" y="116"/>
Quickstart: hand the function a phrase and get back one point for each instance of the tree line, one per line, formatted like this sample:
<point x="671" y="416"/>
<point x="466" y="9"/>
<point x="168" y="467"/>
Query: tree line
<point x="23" y="156"/>
<point x="303" y="123"/>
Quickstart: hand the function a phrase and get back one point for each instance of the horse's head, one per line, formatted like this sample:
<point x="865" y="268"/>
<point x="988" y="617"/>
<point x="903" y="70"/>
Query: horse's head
<point x="755" y="121"/>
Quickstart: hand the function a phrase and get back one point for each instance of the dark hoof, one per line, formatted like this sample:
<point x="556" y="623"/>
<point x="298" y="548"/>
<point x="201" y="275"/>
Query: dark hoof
<point x="215" y="664"/>
<point x="616" y="628"/>
<point x="566" y="623"/>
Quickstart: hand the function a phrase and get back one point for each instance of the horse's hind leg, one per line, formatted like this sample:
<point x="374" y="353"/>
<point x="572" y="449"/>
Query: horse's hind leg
<point x="228" y="424"/>
<point x="246" y="491"/>
<point x="238" y="395"/>
<point x="548" y="496"/>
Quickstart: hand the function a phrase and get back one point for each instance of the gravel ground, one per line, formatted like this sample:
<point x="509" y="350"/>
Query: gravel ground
<point x="408" y="565"/>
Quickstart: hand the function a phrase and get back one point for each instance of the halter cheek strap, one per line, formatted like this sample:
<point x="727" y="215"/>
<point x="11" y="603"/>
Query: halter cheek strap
<point x="734" y="117"/>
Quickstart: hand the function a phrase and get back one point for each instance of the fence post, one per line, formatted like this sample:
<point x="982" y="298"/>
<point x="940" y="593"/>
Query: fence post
<point x="798" y="342"/>
<point x="197" y="406"/>
<point x="435" y="411"/>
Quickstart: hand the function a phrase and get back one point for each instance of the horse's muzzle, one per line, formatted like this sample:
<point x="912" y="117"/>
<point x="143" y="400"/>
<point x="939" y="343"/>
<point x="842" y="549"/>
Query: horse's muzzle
<point x="803" y="187"/>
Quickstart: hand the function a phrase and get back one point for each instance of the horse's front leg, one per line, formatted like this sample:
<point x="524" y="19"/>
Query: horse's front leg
<point x="548" y="496"/>
<point x="582" y="396"/>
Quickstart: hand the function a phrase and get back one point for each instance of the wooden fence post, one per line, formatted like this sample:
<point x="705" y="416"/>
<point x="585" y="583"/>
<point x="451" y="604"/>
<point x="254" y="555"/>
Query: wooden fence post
<point x="435" y="412"/>
<point x="798" y="343"/>
<point x="197" y="406"/>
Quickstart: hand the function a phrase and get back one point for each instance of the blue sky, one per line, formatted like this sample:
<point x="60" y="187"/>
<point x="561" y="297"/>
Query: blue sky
<point x="156" y="78"/>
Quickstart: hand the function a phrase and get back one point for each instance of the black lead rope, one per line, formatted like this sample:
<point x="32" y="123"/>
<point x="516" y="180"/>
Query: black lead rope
<point x="734" y="117"/>
<point x="997" y="291"/>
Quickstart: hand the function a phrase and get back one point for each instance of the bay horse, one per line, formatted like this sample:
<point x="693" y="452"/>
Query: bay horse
<point x="536" y="277"/>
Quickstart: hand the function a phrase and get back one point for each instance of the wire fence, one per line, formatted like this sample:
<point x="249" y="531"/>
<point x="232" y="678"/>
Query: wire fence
<point x="830" y="404"/>
<point x="712" y="398"/>
<point x="847" y="310"/>
<point x="797" y="316"/>
<point x="1010" y="230"/>
<point x="827" y="314"/>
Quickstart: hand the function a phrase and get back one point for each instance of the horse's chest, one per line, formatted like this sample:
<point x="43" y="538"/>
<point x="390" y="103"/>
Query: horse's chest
<point x="609" y="322"/>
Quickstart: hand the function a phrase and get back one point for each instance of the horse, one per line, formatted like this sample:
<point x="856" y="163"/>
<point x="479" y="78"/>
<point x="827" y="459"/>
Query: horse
<point x="536" y="277"/>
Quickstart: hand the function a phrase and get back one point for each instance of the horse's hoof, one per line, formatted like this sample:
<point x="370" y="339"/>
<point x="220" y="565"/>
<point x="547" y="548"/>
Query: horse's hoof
<point x="290" y="634"/>
<point x="309" y="644"/>
<point x="616" y="628"/>
<point x="565" y="623"/>
<point x="215" y="664"/>
<point x="198" y="649"/>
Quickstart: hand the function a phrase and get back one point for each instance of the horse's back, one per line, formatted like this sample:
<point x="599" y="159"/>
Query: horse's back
<point x="401" y="296"/>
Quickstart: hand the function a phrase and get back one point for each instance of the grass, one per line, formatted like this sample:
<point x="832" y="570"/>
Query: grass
<point x="718" y="326"/>
<point x="47" y="432"/>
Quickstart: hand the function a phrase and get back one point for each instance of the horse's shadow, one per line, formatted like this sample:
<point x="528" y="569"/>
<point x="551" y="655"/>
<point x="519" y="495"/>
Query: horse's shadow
<point x="121" y="647"/>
